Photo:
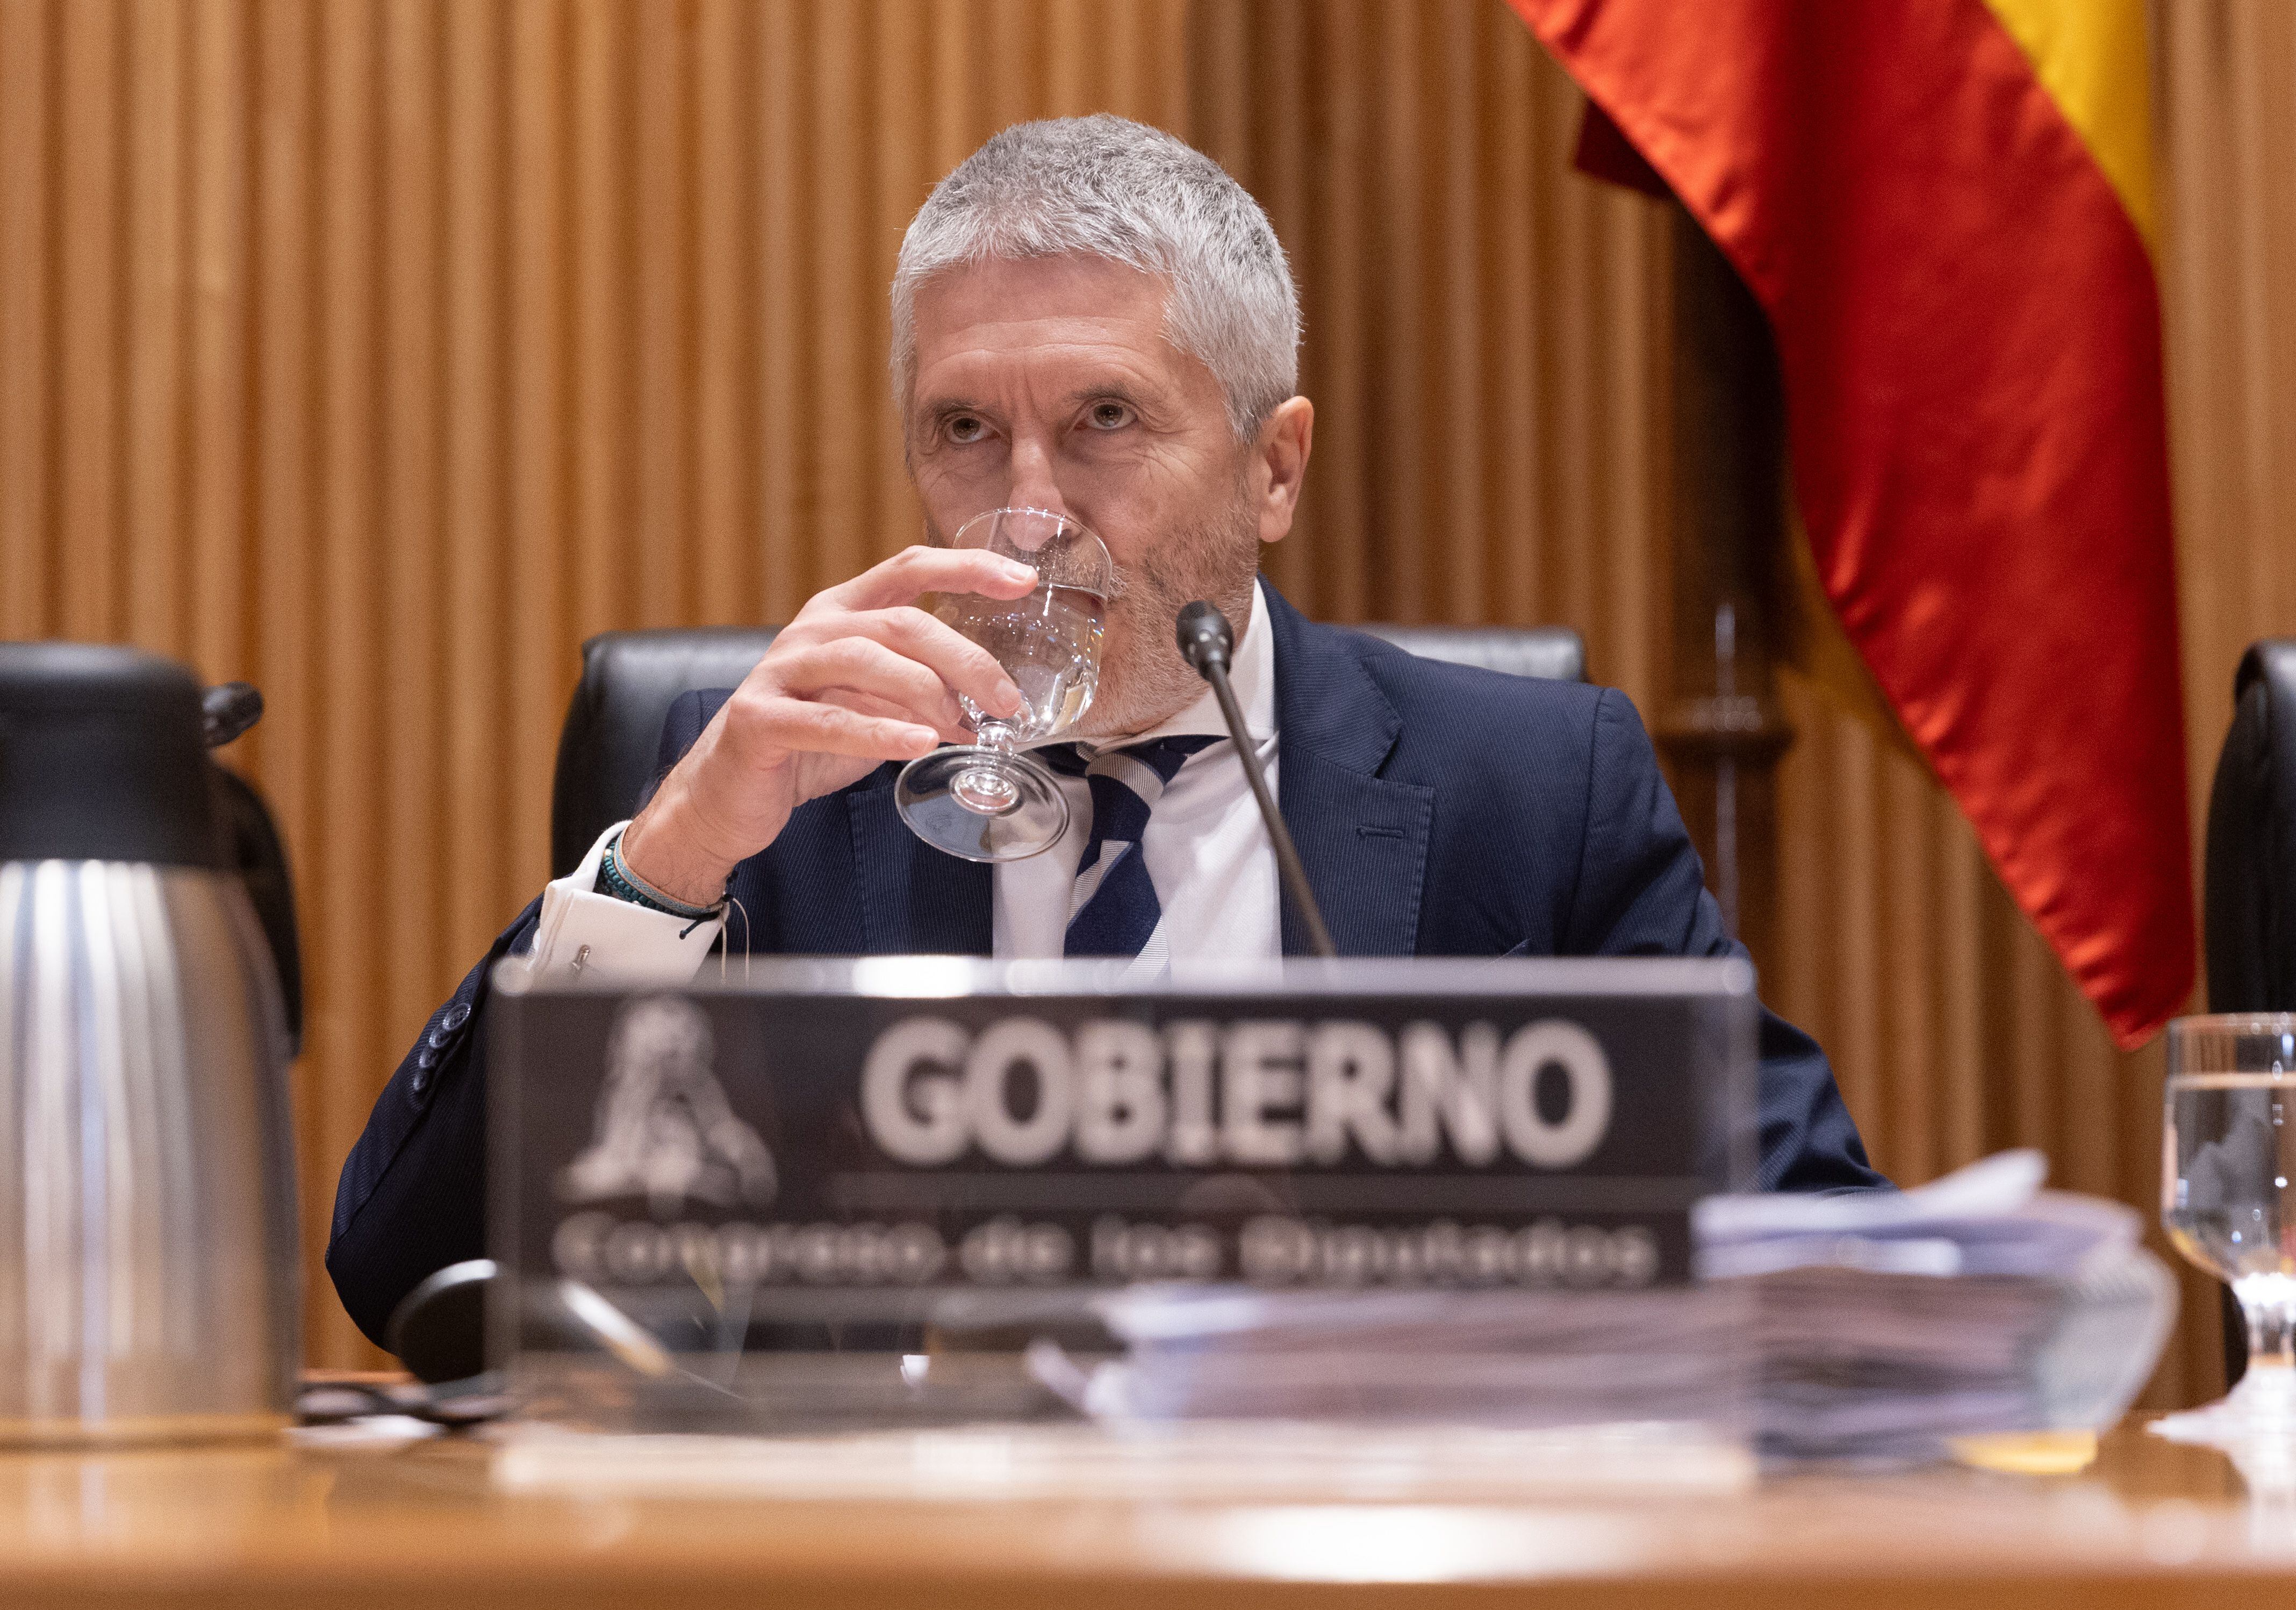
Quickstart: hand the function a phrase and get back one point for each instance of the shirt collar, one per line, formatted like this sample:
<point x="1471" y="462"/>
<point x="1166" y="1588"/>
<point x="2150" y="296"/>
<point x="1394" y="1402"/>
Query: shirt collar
<point x="1251" y="673"/>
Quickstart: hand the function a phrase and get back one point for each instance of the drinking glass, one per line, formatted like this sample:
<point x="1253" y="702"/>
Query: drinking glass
<point x="2228" y="1154"/>
<point x="987" y="801"/>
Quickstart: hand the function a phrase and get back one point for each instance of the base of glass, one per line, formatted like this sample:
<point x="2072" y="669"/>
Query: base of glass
<point x="985" y="791"/>
<point x="980" y="805"/>
<point x="2257" y="1417"/>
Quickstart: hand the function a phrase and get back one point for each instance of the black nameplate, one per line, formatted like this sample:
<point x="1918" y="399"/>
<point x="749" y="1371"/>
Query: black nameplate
<point x="849" y="1138"/>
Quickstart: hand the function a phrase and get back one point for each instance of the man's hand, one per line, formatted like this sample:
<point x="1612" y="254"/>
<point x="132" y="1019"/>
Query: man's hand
<point x="860" y="677"/>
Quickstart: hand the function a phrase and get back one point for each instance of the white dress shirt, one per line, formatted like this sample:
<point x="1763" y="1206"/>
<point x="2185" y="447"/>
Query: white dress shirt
<point x="1205" y="847"/>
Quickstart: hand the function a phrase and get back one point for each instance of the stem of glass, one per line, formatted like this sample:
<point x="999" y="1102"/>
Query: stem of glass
<point x="983" y="787"/>
<point x="2269" y="1303"/>
<point x="2266" y="1397"/>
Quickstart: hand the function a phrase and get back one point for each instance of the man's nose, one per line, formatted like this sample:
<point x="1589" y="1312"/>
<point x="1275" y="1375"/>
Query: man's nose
<point x="1033" y="483"/>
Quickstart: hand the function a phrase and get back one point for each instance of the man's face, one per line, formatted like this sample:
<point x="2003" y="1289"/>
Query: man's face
<point x="1050" y="383"/>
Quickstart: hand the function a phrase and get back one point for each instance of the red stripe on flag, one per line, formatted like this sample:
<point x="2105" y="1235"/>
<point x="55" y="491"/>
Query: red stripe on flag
<point x="1968" y="332"/>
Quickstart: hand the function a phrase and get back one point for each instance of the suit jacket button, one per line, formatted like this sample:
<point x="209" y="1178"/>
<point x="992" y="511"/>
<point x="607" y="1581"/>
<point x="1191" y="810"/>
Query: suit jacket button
<point x="449" y="1023"/>
<point x="425" y="1060"/>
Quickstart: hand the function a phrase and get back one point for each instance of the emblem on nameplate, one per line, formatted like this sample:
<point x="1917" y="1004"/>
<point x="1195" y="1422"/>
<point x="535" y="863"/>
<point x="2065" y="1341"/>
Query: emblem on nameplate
<point x="662" y="1127"/>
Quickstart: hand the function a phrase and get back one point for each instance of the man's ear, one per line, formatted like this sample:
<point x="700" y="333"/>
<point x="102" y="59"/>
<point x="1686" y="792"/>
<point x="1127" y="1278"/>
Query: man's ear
<point x="1279" y="464"/>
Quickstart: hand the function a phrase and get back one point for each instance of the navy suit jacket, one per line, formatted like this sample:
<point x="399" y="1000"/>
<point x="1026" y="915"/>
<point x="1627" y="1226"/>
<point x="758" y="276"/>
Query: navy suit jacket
<point x="1439" y="810"/>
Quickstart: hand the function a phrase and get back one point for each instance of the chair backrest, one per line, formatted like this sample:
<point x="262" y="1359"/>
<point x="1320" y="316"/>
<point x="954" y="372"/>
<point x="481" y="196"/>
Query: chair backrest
<point x="2249" y="902"/>
<point x="607" y="748"/>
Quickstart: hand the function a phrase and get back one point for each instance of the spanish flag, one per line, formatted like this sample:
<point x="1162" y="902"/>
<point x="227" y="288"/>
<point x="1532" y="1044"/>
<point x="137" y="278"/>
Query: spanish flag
<point x="1946" y="207"/>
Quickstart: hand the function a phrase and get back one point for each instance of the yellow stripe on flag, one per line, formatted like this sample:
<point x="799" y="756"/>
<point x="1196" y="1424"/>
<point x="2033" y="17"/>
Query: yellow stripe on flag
<point x="2091" y="57"/>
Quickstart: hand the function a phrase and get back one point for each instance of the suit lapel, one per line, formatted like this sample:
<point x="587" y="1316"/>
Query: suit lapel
<point x="1362" y="838"/>
<point x="915" y="899"/>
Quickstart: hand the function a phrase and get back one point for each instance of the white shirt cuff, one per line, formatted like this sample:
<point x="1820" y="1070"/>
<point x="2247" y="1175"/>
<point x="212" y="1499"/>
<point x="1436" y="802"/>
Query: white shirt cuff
<point x="597" y="936"/>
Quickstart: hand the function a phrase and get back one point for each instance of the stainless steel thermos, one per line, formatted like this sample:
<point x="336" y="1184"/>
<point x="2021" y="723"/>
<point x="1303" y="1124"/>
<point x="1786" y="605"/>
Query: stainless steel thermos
<point x="149" y="1278"/>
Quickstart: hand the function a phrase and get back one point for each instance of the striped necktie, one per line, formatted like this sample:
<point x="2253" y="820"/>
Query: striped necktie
<point x="1113" y="909"/>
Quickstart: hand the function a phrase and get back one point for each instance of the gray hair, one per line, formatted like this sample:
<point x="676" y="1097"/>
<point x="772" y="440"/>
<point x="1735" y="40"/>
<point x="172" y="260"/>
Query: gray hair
<point x="1106" y="187"/>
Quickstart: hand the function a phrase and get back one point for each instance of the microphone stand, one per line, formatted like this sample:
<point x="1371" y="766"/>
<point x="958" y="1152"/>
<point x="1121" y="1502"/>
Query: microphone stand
<point x="1207" y="642"/>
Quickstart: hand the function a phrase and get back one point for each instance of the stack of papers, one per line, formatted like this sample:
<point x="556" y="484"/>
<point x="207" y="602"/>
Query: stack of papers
<point x="1885" y="1323"/>
<point x="1481" y="1358"/>
<point x="1870" y="1326"/>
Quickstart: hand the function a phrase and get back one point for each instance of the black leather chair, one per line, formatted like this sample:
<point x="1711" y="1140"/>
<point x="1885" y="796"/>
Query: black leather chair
<point x="607" y="751"/>
<point x="2249" y="904"/>
<point x="2249" y="898"/>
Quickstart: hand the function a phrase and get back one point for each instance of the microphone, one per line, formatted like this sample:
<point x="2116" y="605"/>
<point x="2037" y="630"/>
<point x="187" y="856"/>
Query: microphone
<point x="1207" y="642"/>
<point x="1205" y="637"/>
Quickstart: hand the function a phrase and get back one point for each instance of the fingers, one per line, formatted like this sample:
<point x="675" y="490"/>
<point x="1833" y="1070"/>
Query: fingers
<point x="863" y="674"/>
<point x="920" y="569"/>
<point x="954" y="659"/>
<point x="822" y="727"/>
<point x="826" y="726"/>
<point x="869" y="704"/>
<point x="862" y="664"/>
<point x="939" y="651"/>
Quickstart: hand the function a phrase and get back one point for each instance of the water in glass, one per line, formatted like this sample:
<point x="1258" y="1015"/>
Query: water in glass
<point x="2228" y="1152"/>
<point x="1048" y="642"/>
<point x="2233" y="1151"/>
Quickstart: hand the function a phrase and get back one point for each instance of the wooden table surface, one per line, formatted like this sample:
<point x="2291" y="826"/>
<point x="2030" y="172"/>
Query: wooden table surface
<point x="2148" y="1522"/>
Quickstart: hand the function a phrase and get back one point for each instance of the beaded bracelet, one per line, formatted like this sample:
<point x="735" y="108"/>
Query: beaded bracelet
<point x="618" y="881"/>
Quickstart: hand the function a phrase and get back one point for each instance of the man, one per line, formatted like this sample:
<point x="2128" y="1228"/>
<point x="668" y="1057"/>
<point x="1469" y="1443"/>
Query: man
<point x="1092" y="318"/>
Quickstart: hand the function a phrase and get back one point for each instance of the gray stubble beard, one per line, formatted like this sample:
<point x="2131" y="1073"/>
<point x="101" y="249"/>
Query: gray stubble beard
<point x="1215" y="562"/>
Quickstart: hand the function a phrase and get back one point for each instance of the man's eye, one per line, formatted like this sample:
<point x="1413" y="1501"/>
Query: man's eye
<point x="966" y="427"/>
<point x="1110" y="416"/>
